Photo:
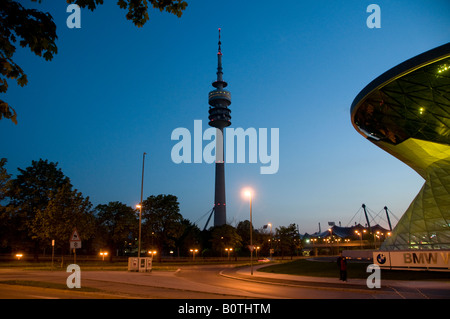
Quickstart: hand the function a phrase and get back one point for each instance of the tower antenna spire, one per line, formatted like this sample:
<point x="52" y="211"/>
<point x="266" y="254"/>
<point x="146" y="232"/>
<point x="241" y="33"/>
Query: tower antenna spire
<point x="219" y="65"/>
<point x="220" y="50"/>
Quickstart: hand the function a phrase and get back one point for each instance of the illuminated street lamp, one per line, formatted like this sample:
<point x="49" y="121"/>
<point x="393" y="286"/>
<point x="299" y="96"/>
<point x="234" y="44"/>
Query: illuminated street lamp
<point x="19" y="255"/>
<point x="139" y="206"/>
<point x="103" y="254"/>
<point x="249" y="193"/>
<point x="360" y="237"/>
<point x="270" y="240"/>
<point x="228" y="250"/>
<point x="193" y="251"/>
<point x="331" y="239"/>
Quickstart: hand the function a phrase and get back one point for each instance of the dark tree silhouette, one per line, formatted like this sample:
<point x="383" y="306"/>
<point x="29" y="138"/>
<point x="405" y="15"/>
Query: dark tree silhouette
<point x="36" y="30"/>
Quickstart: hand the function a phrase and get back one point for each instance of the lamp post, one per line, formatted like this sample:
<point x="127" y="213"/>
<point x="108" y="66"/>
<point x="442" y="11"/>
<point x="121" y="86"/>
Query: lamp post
<point x="360" y="237"/>
<point x="331" y="239"/>
<point x="248" y="193"/>
<point x="140" y="206"/>
<point x="193" y="251"/>
<point x="228" y="250"/>
<point x="270" y="241"/>
<point x="103" y="254"/>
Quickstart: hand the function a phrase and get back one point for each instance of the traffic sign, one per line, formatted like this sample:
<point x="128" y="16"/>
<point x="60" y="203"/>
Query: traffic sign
<point x="75" y="244"/>
<point x="75" y="236"/>
<point x="75" y="240"/>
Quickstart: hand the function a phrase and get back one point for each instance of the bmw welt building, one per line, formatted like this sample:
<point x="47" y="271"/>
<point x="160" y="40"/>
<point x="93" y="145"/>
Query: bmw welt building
<point x="406" y="112"/>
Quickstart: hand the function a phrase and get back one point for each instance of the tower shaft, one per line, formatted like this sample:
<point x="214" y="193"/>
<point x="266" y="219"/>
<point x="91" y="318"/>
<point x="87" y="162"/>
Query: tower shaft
<point x="220" y="209"/>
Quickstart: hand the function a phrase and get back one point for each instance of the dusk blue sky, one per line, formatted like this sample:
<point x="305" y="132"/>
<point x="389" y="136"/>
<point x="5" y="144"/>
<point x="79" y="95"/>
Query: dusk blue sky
<point x="114" y="91"/>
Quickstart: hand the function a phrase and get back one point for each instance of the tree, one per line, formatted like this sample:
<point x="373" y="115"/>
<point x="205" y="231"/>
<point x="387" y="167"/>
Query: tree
<point x="5" y="221"/>
<point x="190" y="238"/>
<point x="117" y="226"/>
<point x="31" y="192"/>
<point x="162" y="222"/>
<point x="37" y="31"/>
<point x="67" y="209"/>
<point x="225" y="236"/>
<point x="4" y="179"/>
<point x="243" y="230"/>
<point x="287" y="237"/>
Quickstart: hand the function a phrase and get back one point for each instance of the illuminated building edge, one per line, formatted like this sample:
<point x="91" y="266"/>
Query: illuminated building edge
<point x="406" y="112"/>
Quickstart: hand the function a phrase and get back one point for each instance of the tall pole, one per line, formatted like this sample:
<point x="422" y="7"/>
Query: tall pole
<point x="53" y="251"/>
<point x="140" y="206"/>
<point x="270" y="243"/>
<point x="251" y="237"/>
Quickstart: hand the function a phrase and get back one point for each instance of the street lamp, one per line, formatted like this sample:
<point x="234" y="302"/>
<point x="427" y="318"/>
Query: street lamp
<point x="193" y="251"/>
<point x="228" y="250"/>
<point x="331" y="239"/>
<point x="103" y="254"/>
<point x="248" y="193"/>
<point x="140" y="205"/>
<point x="270" y="240"/>
<point x="360" y="237"/>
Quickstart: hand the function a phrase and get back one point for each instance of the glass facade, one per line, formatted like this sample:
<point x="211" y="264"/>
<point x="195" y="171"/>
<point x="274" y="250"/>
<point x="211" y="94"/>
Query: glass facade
<point x="406" y="112"/>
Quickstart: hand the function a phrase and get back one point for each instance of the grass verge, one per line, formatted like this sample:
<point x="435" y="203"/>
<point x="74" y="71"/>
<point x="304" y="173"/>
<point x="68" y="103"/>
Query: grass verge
<point x="306" y="267"/>
<point x="42" y="284"/>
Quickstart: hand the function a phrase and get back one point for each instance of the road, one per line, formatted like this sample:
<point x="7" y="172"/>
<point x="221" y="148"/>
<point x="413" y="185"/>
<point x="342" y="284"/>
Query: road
<point x="203" y="282"/>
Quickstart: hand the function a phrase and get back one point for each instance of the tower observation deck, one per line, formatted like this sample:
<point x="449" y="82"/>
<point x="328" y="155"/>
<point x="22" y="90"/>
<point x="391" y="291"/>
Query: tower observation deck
<point x="219" y="99"/>
<point x="219" y="117"/>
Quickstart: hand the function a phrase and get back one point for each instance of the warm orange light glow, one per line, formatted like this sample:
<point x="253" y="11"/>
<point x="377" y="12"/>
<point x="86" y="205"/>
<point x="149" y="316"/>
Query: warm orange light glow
<point x="247" y="192"/>
<point x="138" y="206"/>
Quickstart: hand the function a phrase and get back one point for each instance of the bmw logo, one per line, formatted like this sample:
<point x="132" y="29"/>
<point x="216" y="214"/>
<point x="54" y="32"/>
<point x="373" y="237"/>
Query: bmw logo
<point x="381" y="258"/>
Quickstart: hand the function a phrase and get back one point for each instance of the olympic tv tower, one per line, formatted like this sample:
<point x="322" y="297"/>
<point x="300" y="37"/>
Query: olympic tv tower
<point x="219" y="117"/>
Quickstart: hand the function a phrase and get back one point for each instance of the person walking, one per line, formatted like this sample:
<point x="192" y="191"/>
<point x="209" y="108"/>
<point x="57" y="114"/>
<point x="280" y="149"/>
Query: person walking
<point x="342" y="265"/>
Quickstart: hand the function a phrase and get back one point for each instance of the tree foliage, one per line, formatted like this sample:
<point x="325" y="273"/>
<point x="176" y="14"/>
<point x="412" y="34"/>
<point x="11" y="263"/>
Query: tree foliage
<point x="30" y="28"/>
<point x="40" y="205"/>
<point x="5" y="221"/>
<point x="288" y="239"/>
<point x="66" y="210"/>
<point x="117" y="226"/>
<point x="32" y="189"/>
<point x="161" y="221"/>
<point x="33" y="29"/>
<point x="225" y="236"/>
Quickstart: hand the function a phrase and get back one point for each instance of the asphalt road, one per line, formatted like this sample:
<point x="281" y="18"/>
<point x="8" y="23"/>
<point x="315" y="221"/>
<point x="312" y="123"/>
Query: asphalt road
<point x="201" y="282"/>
